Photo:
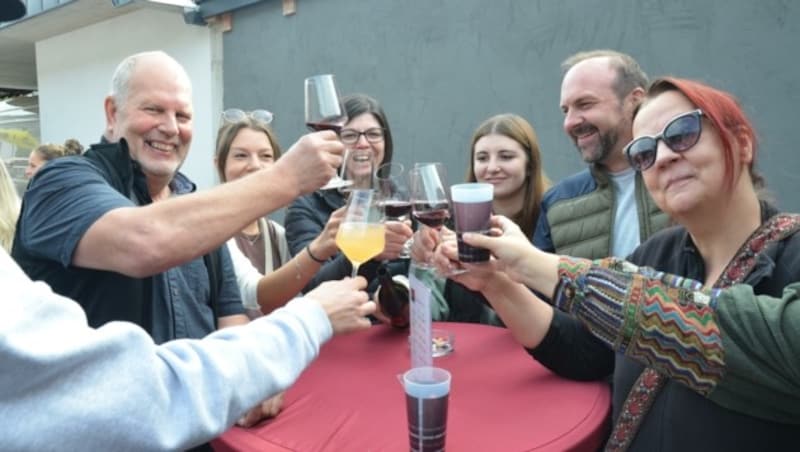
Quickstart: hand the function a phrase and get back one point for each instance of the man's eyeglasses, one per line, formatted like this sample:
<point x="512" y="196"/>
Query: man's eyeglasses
<point x="233" y="115"/>
<point x="680" y="134"/>
<point x="350" y="136"/>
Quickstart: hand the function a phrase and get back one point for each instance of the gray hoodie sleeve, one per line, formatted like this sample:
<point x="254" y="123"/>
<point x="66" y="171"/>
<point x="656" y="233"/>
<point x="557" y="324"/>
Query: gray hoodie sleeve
<point x="67" y="386"/>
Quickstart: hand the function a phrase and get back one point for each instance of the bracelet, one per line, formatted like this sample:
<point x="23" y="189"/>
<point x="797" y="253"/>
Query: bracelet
<point x="314" y="258"/>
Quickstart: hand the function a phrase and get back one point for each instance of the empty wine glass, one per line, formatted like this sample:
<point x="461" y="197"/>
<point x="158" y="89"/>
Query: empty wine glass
<point x="361" y="234"/>
<point x="324" y="111"/>
<point x="358" y="170"/>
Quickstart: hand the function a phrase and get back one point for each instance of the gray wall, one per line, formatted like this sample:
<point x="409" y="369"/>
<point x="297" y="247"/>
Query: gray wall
<point x="440" y="67"/>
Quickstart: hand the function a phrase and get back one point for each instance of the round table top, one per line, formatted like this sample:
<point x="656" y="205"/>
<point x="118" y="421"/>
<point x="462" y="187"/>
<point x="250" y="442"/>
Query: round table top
<point x="501" y="399"/>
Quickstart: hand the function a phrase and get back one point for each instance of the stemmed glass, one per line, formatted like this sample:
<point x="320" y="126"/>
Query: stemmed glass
<point x="395" y="199"/>
<point x="358" y="170"/>
<point x="324" y="111"/>
<point x="429" y="202"/>
<point x="361" y="234"/>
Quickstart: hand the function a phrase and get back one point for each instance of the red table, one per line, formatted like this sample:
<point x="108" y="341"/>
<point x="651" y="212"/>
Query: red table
<point x="501" y="399"/>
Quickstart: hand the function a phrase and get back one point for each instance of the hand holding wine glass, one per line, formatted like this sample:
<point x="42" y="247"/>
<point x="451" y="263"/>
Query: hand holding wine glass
<point x="310" y="162"/>
<point x="361" y="234"/>
<point x="324" y="111"/>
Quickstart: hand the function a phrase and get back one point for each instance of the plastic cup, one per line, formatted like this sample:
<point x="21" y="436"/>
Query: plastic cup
<point x="472" y="207"/>
<point x="427" y="392"/>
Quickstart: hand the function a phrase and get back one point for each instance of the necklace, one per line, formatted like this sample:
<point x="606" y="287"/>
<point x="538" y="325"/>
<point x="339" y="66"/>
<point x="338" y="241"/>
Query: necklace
<point x="252" y="239"/>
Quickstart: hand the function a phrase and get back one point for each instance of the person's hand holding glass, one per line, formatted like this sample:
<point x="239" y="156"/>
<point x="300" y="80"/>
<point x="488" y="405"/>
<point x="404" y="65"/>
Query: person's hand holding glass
<point x="430" y="206"/>
<point x="324" y="111"/>
<point x="361" y="234"/>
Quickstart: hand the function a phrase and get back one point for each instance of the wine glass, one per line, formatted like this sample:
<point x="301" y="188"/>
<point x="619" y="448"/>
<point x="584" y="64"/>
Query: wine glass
<point x="395" y="199"/>
<point x="429" y="202"/>
<point x="396" y="202"/>
<point x="361" y="234"/>
<point x="358" y="170"/>
<point x="324" y="111"/>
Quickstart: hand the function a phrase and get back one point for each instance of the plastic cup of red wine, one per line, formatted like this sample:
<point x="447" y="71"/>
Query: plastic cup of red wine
<point x="472" y="208"/>
<point x="427" y="392"/>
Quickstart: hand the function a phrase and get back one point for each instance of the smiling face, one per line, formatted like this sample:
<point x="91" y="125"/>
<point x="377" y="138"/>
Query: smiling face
<point x="155" y="117"/>
<point x="357" y="165"/>
<point x="500" y="161"/>
<point x="250" y="151"/>
<point x="683" y="183"/>
<point x="595" y="118"/>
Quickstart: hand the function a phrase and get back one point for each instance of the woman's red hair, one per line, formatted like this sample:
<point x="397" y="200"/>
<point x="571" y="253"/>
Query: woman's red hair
<point x="721" y="108"/>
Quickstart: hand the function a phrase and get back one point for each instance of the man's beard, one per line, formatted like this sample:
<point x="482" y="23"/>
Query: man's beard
<point x="604" y="148"/>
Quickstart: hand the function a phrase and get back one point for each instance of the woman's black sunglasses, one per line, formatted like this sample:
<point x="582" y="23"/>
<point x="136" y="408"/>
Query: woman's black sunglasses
<point x="680" y="134"/>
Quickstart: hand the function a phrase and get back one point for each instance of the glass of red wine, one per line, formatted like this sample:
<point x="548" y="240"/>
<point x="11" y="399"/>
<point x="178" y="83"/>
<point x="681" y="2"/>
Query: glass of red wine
<point x="429" y="202"/>
<point x="395" y="199"/>
<point x="324" y="111"/>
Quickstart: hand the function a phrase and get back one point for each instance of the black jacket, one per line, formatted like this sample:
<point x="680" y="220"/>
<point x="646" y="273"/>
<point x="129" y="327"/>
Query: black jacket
<point x="306" y="219"/>
<point x="106" y="295"/>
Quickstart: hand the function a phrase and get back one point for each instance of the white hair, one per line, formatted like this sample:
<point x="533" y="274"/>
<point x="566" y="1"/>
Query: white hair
<point x="120" y="81"/>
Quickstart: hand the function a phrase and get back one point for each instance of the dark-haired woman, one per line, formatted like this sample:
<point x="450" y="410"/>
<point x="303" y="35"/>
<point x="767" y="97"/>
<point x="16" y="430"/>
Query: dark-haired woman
<point x="367" y="129"/>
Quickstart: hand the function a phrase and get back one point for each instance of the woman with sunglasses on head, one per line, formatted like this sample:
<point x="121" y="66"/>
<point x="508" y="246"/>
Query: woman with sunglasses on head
<point x="246" y="143"/>
<point x="696" y="150"/>
<point x="367" y="130"/>
<point x="266" y="274"/>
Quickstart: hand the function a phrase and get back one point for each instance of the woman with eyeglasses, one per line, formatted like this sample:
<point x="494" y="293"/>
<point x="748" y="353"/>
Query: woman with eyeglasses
<point x="688" y="373"/>
<point x="367" y="130"/>
<point x="246" y="143"/>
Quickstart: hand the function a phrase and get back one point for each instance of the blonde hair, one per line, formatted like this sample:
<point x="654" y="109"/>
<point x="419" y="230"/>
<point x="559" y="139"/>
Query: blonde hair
<point x="9" y="208"/>
<point x="50" y="151"/>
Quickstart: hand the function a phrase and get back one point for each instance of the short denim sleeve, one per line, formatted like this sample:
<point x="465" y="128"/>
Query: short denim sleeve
<point x="63" y="200"/>
<point x="230" y="300"/>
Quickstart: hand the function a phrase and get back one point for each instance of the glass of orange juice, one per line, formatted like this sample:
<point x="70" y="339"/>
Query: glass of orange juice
<point x="361" y="234"/>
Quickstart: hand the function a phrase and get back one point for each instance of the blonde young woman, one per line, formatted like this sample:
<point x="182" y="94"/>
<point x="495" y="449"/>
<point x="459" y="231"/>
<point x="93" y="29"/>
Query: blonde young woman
<point x="9" y="208"/>
<point x="246" y="144"/>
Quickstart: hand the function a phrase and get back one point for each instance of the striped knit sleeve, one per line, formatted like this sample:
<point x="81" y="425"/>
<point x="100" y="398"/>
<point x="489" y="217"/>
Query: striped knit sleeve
<point x="664" y="321"/>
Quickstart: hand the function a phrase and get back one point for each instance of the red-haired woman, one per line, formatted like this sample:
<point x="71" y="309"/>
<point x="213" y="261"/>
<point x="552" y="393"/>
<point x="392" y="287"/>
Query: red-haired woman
<point x="696" y="150"/>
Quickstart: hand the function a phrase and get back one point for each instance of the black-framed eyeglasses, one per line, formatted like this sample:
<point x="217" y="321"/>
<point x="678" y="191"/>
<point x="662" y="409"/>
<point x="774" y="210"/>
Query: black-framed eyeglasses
<point x="680" y="134"/>
<point x="351" y="136"/>
<point x="235" y="115"/>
